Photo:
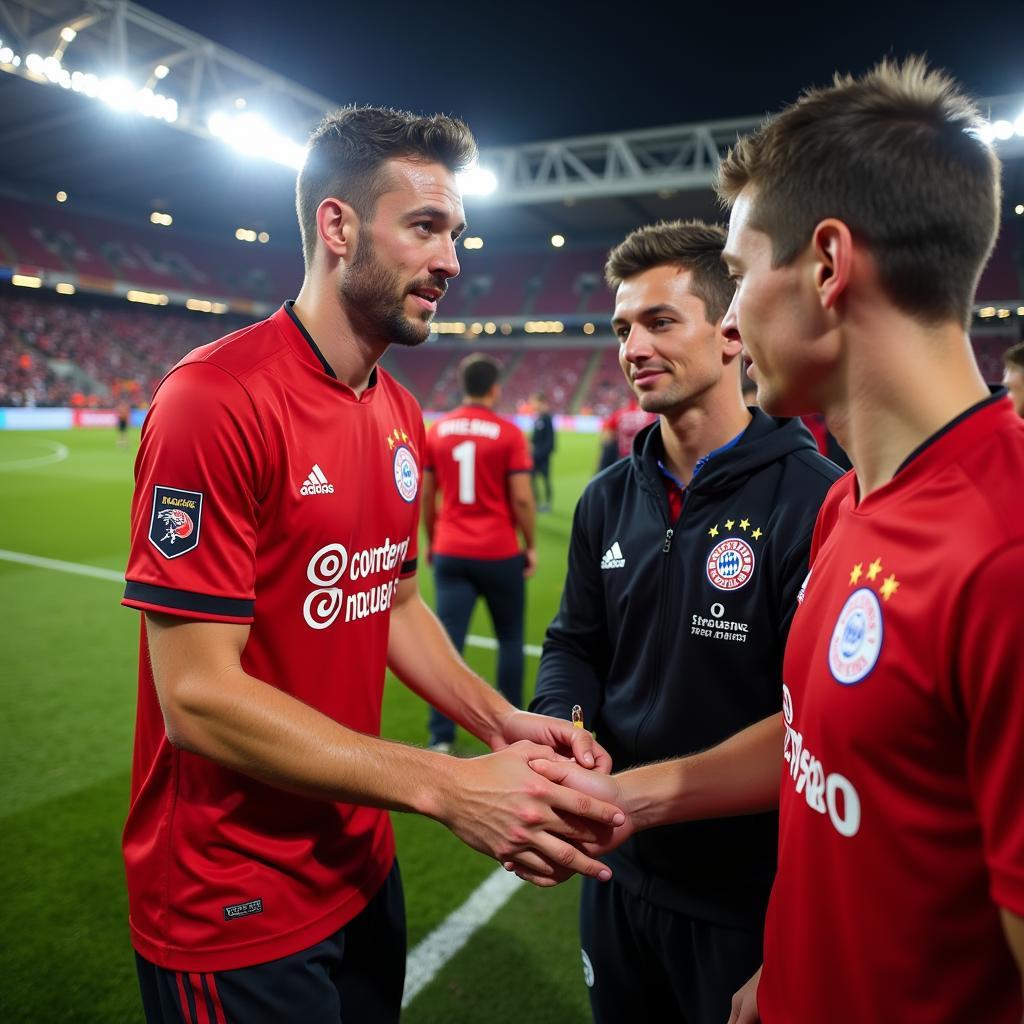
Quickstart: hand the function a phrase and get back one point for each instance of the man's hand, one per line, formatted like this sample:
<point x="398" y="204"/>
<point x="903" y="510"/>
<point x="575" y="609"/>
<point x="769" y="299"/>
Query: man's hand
<point x="498" y="805"/>
<point x="606" y="838"/>
<point x="529" y="562"/>
<point x="744" y="1002"/>
<point x="559" y="735"/>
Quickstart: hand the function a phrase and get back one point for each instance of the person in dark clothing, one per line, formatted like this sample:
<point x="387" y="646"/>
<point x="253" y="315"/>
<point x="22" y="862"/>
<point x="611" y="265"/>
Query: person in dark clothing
<point x="684" y="565"/>
<point x="542" y="443"/>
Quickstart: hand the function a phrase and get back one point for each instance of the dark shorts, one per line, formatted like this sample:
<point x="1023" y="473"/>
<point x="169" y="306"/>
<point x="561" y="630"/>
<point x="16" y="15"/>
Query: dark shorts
<point x="644" y="963"/>
<point x="354" y="976"/>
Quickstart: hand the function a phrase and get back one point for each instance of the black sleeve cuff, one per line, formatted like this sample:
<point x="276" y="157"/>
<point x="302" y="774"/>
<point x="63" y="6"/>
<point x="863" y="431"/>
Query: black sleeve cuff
<point x="408" y="567"/>
<point x="188" y="601"/>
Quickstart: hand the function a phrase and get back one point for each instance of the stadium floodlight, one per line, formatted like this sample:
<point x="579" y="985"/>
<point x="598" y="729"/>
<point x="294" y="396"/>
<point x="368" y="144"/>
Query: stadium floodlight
<point x="477" y="181"/>
<point x="1019" y="209"/>
<point x="26" y="281"/>
<point x="6" y="55"/>
<point x="250" y="133"/>
<point x="1002" y="130"/>
<point x="64" y="288"/>
<point x="473" y="242"/>
<point x="558" y="241"/>
<point x="1018" y="125"/>
<point x="161" y="71"/>
<point x="68" y="34"/>
<point x="264" y="237"/>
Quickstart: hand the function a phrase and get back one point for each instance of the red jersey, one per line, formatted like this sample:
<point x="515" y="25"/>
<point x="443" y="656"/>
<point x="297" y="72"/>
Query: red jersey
<point x="626" y="423"/>
<point x="472" y="451"/>
<point x="901" y="833"/>
<point x="266" y="493"/>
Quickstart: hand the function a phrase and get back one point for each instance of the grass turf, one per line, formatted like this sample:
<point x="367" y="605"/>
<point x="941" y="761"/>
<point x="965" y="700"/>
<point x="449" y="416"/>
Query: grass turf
<point x="67" y="702"/>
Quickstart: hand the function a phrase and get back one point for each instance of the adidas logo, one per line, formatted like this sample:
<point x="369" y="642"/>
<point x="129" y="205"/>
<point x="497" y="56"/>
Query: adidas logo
<point x="316" y="483"/>
<point x="613" y="558"/>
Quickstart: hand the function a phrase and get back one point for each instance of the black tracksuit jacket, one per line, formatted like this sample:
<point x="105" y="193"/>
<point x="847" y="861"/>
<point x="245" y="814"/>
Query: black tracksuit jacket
<point x="665" y="663"/>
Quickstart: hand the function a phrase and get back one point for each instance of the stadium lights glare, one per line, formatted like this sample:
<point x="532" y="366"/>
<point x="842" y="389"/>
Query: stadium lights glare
<point x="163" y="219"/>
<point x="506" y="328"/>
<point x="206" y="306"/>
<point x="65" y="288"/>
<point x="264" y="237"/>
<point x="26" y="281"/>
<point x="6" y="55"/>
<point x="477" y="181"/>
<point x="68" y="34"/>
<point x="543" y="327"/>
<point x="473" y="242"/>
<point x="558" y="241"/>
<point x="490" y="328"/>
<point x="447" y="327"/>
<point x="61" y="196"/>
<point x="246" y="235"/>
<point x="161" y="71"/>
<point x="588" y="328"/>
<point x="1019" y="209"/>
<point x="250" y="133"/>
<point x="149" y="298"/>
<point x="987" y="311"/>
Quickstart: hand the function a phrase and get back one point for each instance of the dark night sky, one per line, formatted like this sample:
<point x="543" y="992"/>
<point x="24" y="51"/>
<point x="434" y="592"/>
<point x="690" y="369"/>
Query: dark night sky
<point x="527" y="71"/>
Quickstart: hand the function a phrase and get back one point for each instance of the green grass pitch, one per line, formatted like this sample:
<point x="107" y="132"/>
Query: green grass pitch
<point x="67" y="705"/>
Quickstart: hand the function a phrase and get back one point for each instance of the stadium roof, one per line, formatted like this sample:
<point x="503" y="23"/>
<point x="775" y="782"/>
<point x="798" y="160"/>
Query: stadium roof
<point x="54" y="138"/>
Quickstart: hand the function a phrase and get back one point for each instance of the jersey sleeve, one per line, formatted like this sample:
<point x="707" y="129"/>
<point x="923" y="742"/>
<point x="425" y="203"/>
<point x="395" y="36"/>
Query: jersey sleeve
<point x="519" y="458"/>
<point x="194" y="512"/>
<point x="991" y="692"/>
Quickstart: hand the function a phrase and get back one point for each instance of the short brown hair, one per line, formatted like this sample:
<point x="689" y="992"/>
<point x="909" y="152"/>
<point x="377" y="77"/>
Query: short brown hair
<point x="898" y="157"/>
<point x="478" y="373"/>
<point x="1013" y="357"/>
<point x="688" y="244"/>
<point x="346" y="151"/>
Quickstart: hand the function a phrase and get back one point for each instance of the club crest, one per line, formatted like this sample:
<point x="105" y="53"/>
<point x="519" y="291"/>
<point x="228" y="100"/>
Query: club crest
<point x="406" y="473"/>
<point x="175" y="520"/>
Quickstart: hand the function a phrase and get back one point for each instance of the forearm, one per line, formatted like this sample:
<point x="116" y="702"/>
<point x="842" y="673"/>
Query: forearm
<point x="525" y="515"/>
<point x="247" y="725"/>
<point x="1013" y="926"/>
<point x="739" y="776"/>
<point x="424" y="659"/>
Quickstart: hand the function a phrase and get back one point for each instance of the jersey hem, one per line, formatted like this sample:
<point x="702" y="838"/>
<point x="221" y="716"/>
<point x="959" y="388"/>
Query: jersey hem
<point x="177" y="958"/>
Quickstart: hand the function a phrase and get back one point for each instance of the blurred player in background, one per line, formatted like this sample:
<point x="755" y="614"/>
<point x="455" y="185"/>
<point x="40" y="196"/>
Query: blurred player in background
<point x="124" y="415"/>
<point x="477" y="504"/>
<point x="684" y="565"/>
<point x="618" y="430"/>
<point x="862" y="217"/>
<point x="542" y="447"/>
<point x="1013" y="377"/>
<point x="273" y="553"/>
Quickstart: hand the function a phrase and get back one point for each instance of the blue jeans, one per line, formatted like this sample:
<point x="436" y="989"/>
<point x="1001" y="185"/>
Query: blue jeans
<point x="458" y="584"/>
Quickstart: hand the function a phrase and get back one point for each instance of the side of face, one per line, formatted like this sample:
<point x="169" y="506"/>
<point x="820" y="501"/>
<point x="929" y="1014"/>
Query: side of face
<point x="402" y="259"/>
<point x="1013" y="378"/>
<point x="668" y="351"/>
<point x="776" y="313"/>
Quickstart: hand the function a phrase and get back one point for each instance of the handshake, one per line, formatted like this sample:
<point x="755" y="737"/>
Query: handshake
<point x="543" y="804"/>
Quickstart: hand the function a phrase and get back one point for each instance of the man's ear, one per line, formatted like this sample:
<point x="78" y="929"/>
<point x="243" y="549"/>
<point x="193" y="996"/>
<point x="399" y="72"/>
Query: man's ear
<point x="337" y="225"/>
<point x="832" y="252"/>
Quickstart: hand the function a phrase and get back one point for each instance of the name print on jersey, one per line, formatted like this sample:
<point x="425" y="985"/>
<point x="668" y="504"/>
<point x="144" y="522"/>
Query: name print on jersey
<point x="825" y="792"/>
<point x="325" y="570"/>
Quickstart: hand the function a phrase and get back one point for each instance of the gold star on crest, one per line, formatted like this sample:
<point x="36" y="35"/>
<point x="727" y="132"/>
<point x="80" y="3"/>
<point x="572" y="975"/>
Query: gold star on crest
<point x="889" y="586"/>
<point x="744" y="523"/>
<point x="391" y="443"/>
<point x="757" y="533"/>
<point x="874" y="569"/>
<point x="713" y="532"/>
<point x="856" y="573"/>
<point x="396" y="434"/>
<point x="729" y="523"/>
<point x="405" y="437"/>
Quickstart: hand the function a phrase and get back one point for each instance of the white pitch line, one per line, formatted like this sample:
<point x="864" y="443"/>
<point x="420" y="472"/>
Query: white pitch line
<point x="118" y="577"/>
<point x="59" y="454"/>
<point x="425" y="962"/>
<point x="58" y="566"/>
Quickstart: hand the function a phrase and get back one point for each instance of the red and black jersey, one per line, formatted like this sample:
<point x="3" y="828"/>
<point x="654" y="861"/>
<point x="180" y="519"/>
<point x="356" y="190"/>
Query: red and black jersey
<point x="625" y="423"/>
<point x="472" y="451"/>
<point x="268" y="494"/>
<point x="901" y="832"/>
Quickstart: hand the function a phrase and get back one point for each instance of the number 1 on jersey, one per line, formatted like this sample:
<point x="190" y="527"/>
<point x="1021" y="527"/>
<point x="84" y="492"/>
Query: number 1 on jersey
<point x="465" y="455"/>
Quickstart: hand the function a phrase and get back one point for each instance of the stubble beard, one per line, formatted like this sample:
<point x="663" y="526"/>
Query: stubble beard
<point x="375" y="300"/>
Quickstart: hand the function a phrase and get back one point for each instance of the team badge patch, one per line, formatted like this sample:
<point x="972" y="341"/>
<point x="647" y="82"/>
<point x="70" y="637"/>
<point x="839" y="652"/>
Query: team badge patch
<point x="174" y="524"/>
<point x="407" y="477"/>
<point x="857" y="638"/>
<point x="730" y="564"/>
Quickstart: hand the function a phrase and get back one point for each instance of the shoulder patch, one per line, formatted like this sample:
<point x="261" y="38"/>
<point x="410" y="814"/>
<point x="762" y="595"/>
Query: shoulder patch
<point x="175" y="520"/>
